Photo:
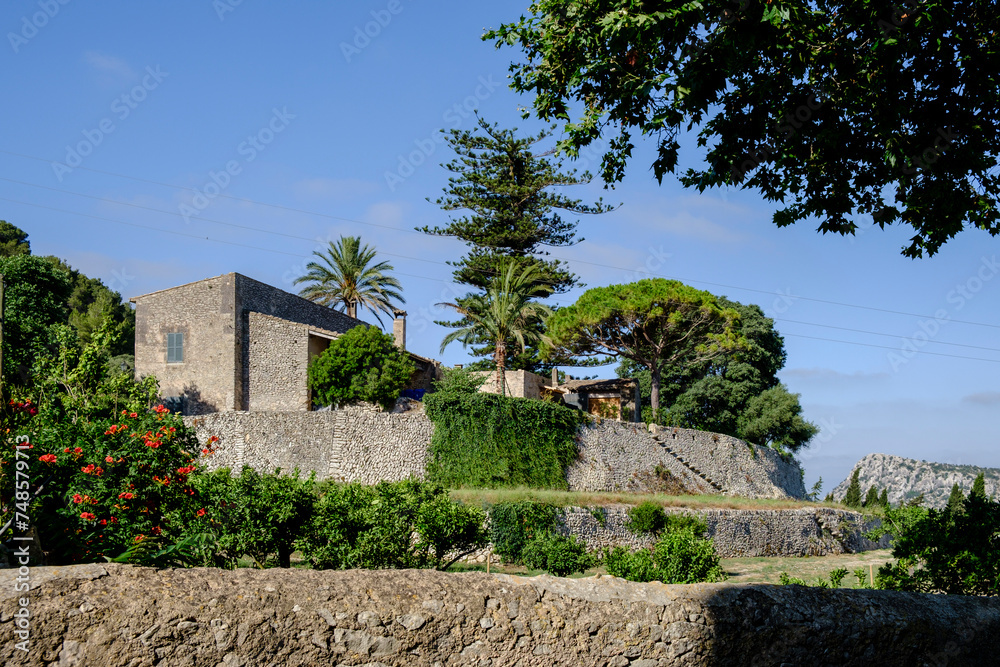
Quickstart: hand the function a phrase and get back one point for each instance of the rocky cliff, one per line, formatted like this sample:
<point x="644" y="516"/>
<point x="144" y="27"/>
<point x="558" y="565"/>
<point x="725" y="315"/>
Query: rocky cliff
<point x="908" y="478"/>
<point x="118" y="616"/>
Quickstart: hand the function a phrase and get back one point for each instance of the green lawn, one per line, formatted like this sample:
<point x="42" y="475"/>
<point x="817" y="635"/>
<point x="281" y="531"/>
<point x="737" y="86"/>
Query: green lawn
<point x="590" y="499"/>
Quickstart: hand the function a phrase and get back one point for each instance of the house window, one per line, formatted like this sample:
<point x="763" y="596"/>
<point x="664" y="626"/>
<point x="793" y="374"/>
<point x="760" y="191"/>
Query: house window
<point x="175" y="348"/>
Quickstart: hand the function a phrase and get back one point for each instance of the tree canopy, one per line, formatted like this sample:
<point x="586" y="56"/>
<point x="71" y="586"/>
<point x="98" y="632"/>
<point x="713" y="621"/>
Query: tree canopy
<point x="726" y="394"/>
<point x="362" y="364"/>
<point x="654" y="323"/>
<point x="344" y="277"/>
<point x="509" y="192"/>
<point x="837" y="110"/>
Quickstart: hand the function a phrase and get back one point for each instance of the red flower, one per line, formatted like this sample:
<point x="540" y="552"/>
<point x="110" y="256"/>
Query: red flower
<point x="138" y="538"/>
<point x="132" y="415"/>
<point x="77" y="450"/>
<point x="201" y="512"/>
<point x="113" y="520"/>
<point x="77" y="498"/>
<point x="108" y="459"/>
<point x="126" y="495"/>
<point x="87" y="516"/>
<point x="66" y="451"/>
<point x="155" y="530"/>
<point x="88" y="469"/>
<point x="104" y="522"/>
<point x="98" y="471"/>
<point x="47" y="458"/>
<point x="159" y="409"/>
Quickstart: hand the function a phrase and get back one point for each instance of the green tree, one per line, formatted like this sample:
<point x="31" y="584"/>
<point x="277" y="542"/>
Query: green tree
<point x="955" y="499"/>
<point x="946" y="552"/>
<point x="511" y="196"/>
<point x="91" y="302"/>
<point x="774" y="418"/>
<point x="871" y="498"/>
<point x="13" y="240"/>
<point x="654" y="323"/>
<point x="884" y="498"/>
<point x="35" y="297"/>
<point x="711" y="395"/>
<point x="776" y="94"/>
<point x="344" y="278"/>
<point x="853" y="496"/>
<point x="504" y="314"/>
<point x="979" y="486"/>
<point x="362" y="364"/>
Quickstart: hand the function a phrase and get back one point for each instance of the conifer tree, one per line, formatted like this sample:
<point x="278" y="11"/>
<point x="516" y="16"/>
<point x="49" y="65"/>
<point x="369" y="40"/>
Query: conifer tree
<point x="956" y="500"/>
<point x="871" y="499"/>
<point x="853" y="496"/>
<point x="979" y="486"/>
<point x="884" y="498"/>
<point x="512" y="205"/>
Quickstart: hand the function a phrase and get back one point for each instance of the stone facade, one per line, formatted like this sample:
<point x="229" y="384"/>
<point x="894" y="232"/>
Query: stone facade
<point x="618" y="456"/>
<point x="521" y="384"/>
<point x="247" y="345"/>
<point x="119" y="615"/>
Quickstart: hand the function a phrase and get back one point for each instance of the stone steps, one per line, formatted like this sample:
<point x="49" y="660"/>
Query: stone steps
<point x="715" y="485"/>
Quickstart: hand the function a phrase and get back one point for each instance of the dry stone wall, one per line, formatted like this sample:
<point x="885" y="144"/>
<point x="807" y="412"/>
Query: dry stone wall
<point x="616" y="456"/>
<point x="123" y="616"/>
<point x="351" y="445"/>
<point x="738" y="533"/>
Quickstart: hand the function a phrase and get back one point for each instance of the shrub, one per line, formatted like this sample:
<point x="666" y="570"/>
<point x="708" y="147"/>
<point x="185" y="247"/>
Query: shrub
<point x="253" y="514"/>
<point x="679" y="557"/>
<point x="947" y="552"/>
<point x="513" y="524"/>
<point x="488" y="440"/>
<point x="363" y="364"/>
<point x="391" y="525"/>
<point x="558" y="555"/>
<point x="102" y="484"/>
<point x="459" y="381"/>
<point x="646" y="518"/>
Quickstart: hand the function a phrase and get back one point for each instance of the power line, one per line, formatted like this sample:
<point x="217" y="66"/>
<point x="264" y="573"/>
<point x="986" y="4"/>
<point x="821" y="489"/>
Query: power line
<point x="281" y="252"/>
<point x="398" y="229"/>
<point x="876" y="333"/>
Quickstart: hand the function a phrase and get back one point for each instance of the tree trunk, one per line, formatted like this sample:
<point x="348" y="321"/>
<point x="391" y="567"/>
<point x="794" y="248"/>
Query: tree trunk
<point x="654" y="392"/>
<point x="500" y="356"/>
<point x="352" y="309"/>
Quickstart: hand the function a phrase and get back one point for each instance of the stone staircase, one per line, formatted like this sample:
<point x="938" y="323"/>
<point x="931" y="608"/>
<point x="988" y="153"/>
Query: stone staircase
<point x="660" y="441"/>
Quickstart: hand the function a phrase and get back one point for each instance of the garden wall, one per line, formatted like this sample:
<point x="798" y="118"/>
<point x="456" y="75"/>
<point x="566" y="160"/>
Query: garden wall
<point x="118" y="615"/>
<point x="739" y="533"/>
<point x="360" y="444"/>
<point x="617" y="456"/>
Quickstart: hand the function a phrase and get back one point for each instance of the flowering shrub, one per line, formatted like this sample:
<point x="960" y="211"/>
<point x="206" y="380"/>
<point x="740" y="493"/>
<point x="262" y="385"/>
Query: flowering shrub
<point x="99" y="485"/>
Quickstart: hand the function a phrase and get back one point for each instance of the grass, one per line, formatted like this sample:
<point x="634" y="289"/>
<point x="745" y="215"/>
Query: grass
<point x="590" y="499"/>
<point x="764" y="570"/>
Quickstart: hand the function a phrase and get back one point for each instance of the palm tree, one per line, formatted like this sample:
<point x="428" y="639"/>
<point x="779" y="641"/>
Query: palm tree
<point x="503" y="314"/>
<point x="343" y="279"/>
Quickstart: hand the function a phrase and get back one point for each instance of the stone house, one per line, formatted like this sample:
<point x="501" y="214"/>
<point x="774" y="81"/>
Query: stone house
<point x="232" y="343"/>
<point x="614" y="398"/>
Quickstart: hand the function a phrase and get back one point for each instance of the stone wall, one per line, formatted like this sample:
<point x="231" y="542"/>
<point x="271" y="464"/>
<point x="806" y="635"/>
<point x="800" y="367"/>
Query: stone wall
<point x="118" y="615"/>
<point x="277" y="378"/>
<point x="616" y="456"/>
<point x="738" y="533"/>
<point x="349" y="445"/>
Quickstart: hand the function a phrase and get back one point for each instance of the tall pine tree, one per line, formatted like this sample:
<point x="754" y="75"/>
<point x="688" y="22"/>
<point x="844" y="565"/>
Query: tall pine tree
<point x="853" y="496"/>
<point x="512" y="206"/>
<point x="979" y="486"/>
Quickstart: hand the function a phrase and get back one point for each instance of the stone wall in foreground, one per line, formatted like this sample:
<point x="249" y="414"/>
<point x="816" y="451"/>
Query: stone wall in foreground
<point x="122" y="616"/>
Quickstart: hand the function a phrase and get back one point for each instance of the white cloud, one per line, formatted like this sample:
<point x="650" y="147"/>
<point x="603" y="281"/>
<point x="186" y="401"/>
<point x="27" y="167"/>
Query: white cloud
<point x="112" y="69"/>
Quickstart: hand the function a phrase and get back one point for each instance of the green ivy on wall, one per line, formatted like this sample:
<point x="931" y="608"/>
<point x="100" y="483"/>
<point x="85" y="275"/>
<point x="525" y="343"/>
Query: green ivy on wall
<point x="489" y="441"/>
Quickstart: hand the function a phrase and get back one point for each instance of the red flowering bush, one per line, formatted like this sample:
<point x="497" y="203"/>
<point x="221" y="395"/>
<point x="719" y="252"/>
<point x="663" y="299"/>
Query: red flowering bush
<point x="107" y="483"/>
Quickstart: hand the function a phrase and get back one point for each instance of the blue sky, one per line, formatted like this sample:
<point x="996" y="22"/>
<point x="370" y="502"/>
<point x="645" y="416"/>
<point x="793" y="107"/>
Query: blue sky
<point x="134" y="130"/>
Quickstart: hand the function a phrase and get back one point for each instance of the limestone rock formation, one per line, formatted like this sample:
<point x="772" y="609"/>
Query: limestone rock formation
<point x="908" y="478"/>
